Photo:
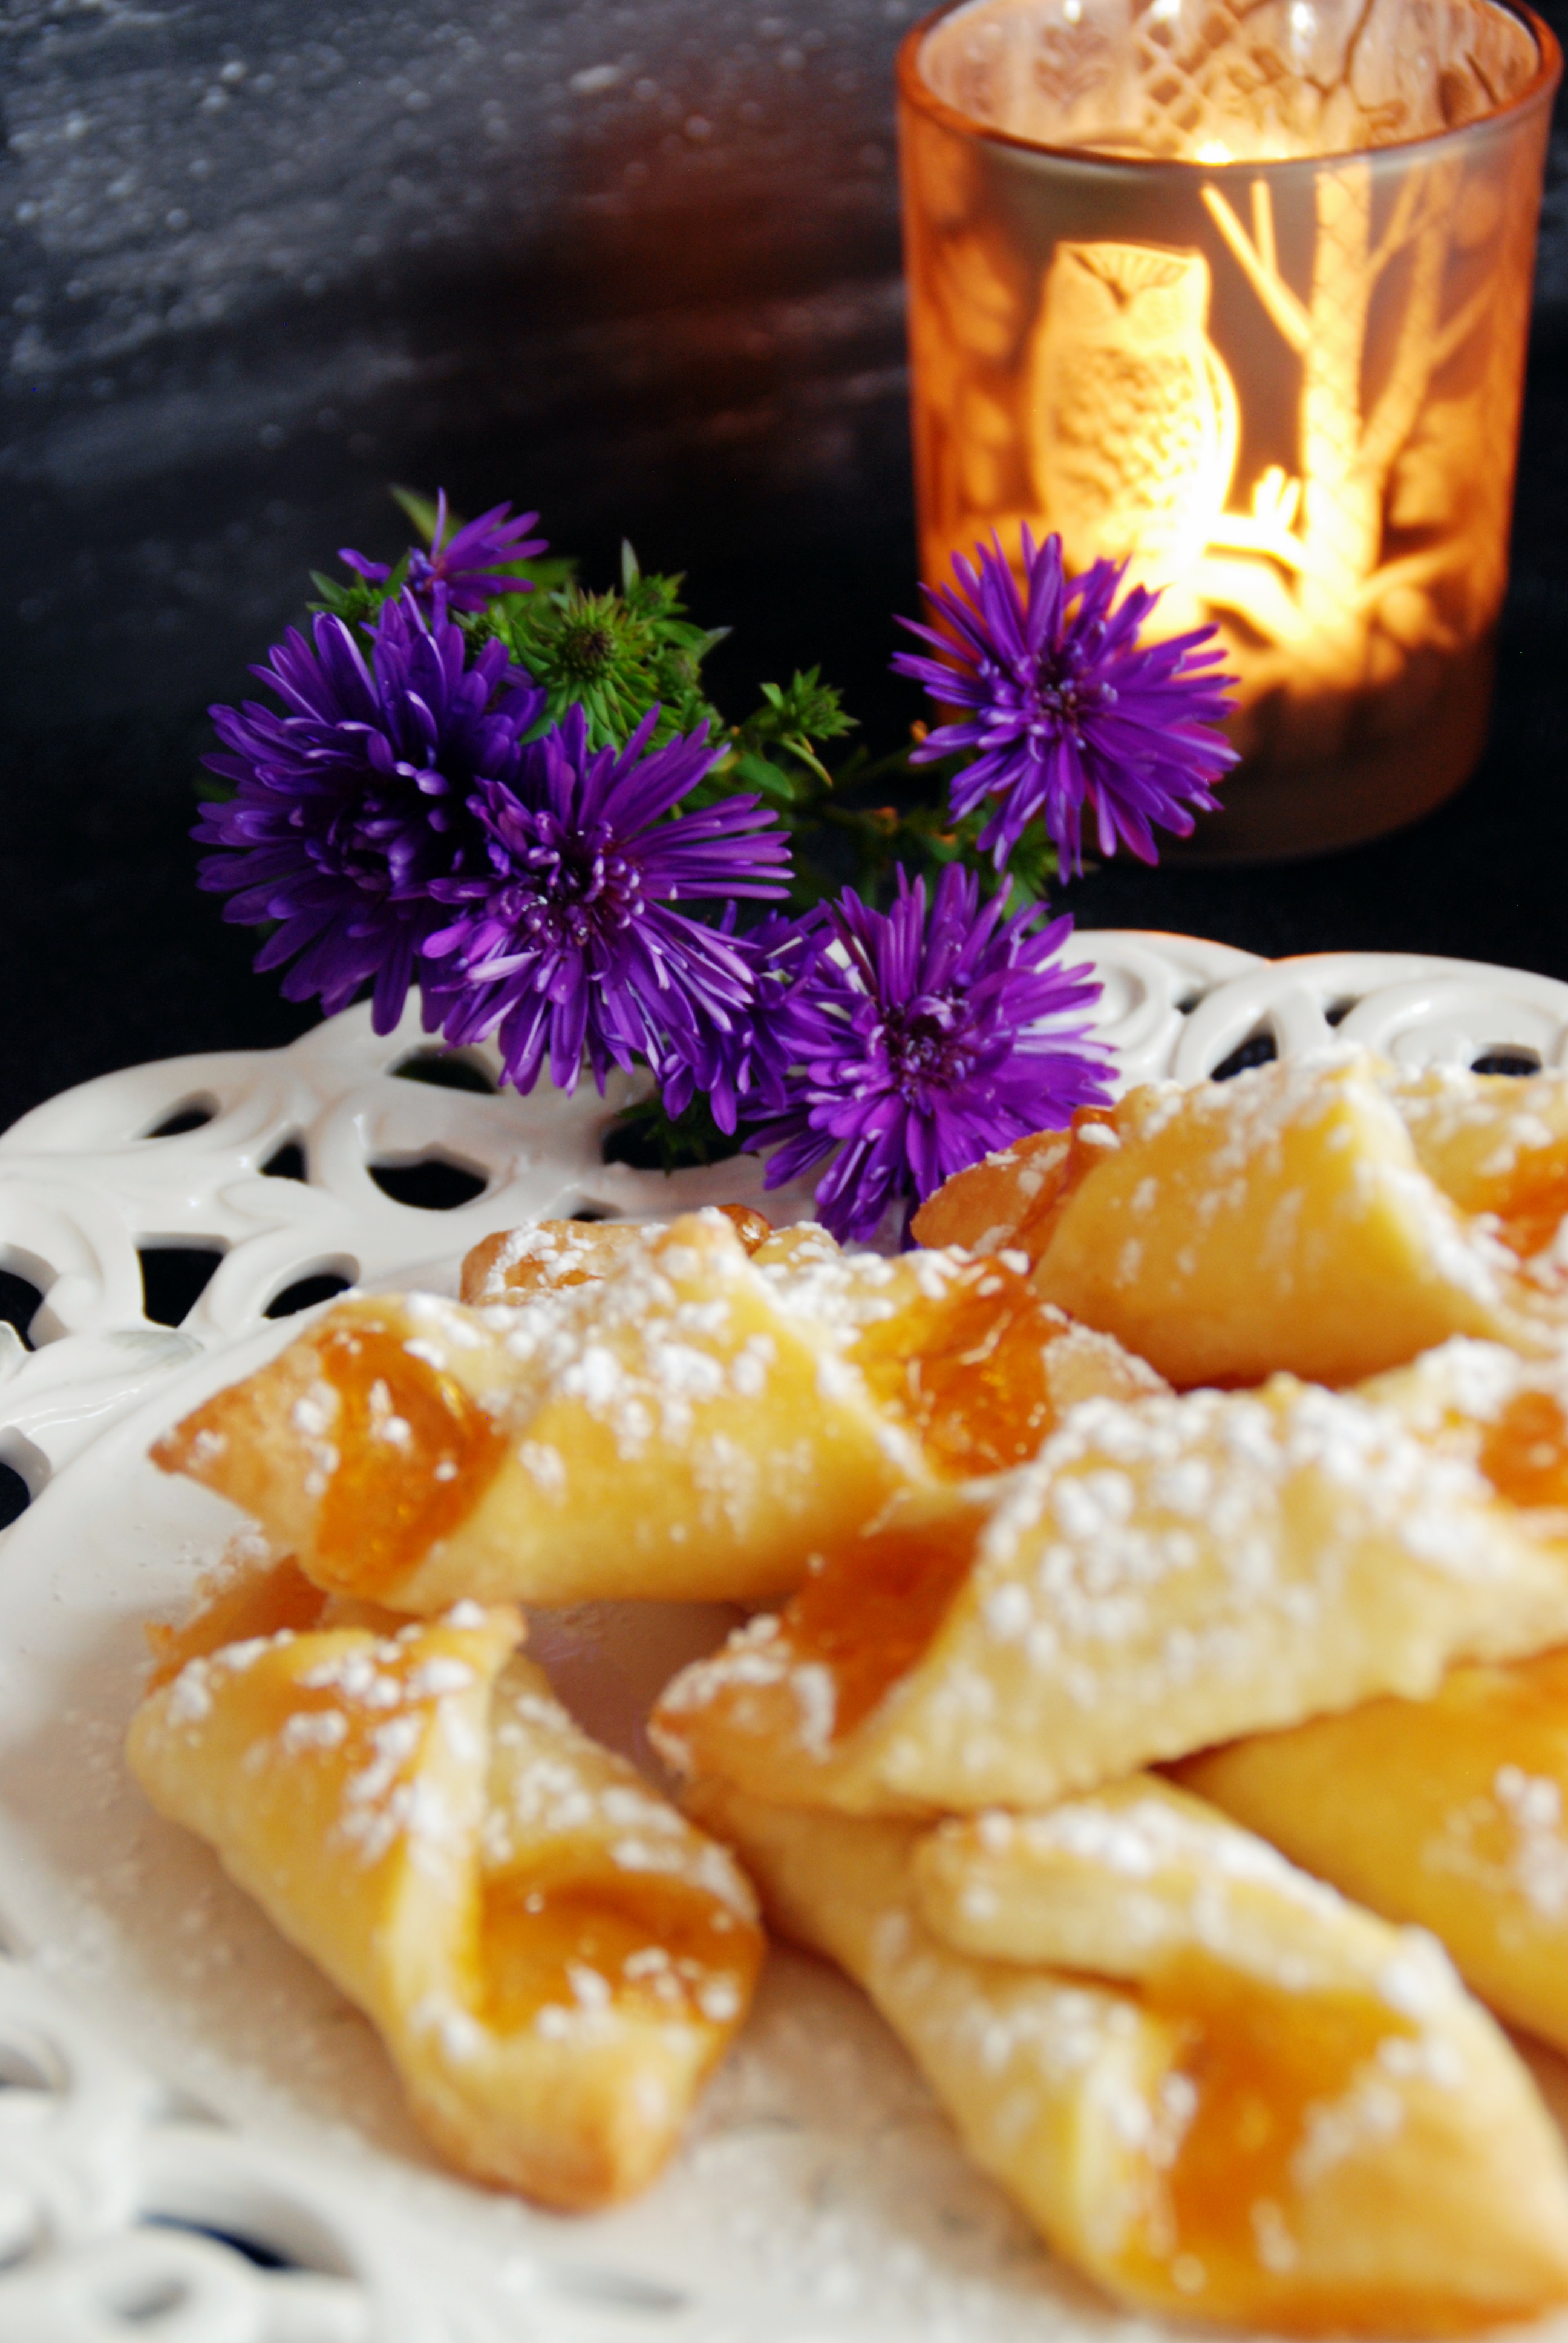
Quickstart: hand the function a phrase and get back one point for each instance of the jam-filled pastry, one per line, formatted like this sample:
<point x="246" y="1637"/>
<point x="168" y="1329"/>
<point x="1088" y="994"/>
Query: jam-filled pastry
<point x="1167" y="1573"/>
<point x="554" y="1957"/>
<point x="669" y="1431"/>
<point x="546" y="1255"/>
<point x="1447" y="1812"/>
<point x="686" y="1426"/>
<point x="1277" y="1220"/>
<point x="964" y="1352"/>
<point x="1245" y="2102"/>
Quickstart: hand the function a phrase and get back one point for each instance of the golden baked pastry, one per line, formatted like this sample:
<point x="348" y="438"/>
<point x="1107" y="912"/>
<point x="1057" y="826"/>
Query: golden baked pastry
<point x="964" y="1352"/>
<point x="1021" y="1568"/>
<point x="669" y="1431"/>
<point x="686" y="1426"/>
<point x="1168" y="1573"/>
<point x="1447" y="1812"/>
<point x="1278" y="1221"/>
<point x="1263" y="2108"/>
<point x="554" y="1957"/>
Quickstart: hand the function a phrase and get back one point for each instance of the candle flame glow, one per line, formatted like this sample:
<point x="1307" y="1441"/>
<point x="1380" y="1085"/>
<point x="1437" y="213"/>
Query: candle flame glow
<point x="1301" y="427"/>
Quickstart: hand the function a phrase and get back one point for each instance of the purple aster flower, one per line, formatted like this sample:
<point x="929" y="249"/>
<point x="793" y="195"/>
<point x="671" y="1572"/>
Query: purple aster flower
<point x="462" y="565"/>
<point x="917" y="1046"/>
<point x="354" y="801"/>
<point x="741" y="1067"/>
<point x="1067" y="710"/>
<point x="565" y="943"/>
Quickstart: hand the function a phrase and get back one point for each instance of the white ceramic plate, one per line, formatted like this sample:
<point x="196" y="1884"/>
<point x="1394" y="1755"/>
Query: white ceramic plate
<point x="169" y="2069"/>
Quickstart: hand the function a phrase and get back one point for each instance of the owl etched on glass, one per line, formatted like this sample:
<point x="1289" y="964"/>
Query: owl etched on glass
<point x="1132" y="415"/>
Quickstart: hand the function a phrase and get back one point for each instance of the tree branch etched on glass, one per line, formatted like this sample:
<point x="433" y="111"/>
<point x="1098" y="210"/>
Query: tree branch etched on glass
<point x="1239" y="294"/>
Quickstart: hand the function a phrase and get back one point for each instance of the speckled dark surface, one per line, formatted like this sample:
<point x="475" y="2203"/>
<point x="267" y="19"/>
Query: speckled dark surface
<point x="636" y="264"/>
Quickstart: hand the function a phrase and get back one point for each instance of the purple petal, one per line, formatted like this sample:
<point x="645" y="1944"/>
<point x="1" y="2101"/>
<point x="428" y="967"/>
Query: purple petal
<point x="1055" y="678"/>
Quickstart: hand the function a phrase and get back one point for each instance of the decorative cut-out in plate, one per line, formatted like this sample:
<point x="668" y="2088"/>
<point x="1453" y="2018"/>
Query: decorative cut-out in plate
<point x="199" y="2141"/>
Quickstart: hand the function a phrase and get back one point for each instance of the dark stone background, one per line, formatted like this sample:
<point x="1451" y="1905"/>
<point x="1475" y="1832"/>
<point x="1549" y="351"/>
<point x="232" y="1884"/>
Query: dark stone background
<point x="635" y="265"/>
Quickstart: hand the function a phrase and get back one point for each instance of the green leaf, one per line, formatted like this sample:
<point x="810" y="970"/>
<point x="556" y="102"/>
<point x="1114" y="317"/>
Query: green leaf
<point x="652" y="1141"/>
<point x="805" y="711"/>
<point x="425" y="513"/>
<point x="761" y="773"/>
<point x="546" y="573"/>
<point x="358" y="600"/>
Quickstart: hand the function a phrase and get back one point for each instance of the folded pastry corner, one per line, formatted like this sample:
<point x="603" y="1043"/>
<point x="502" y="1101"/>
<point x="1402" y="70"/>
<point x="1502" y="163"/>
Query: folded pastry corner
<point x="252" y="1591"/>
<point x="802" y="1244"/>
<point x="1165" y="1569"/>
<point x="1498" y="1144"/>
<point x="1010" y="1197"/>
<point x="1281" y="1220"/>
<point x="1242" y="2101"/>
<point x="545" y="1256"/>
<point x="554" y="1957"/>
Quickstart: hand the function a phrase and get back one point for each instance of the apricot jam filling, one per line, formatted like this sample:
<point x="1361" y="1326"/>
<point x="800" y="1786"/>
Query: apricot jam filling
<point x="1525" y="1454"/>
<point x="1530" y="1200"/>
<point x="640" y="1943"/>
<point x="749" y="1226"/>
<point x="1038" y="1226"/>
<point x="966" y="1369"/>
<point x="260" y="1601"/>
<point x="1256" y="2061"/>
<point x="416" y="1453"/>
<point x="870" y="1614"/>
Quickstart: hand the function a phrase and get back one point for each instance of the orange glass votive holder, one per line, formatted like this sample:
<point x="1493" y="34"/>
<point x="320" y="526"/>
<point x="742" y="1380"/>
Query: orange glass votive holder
<point x="1241" y="295"/>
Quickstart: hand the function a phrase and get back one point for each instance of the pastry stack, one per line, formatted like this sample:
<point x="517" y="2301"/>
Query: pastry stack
<point x="1149" y="1683"/>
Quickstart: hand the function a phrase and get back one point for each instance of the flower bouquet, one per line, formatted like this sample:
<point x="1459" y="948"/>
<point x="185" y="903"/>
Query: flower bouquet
<point x="484" y="781"/>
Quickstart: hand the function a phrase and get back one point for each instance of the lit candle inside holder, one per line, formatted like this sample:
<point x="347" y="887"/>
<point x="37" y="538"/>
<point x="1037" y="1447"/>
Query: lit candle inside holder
<point x="1241" y="294"/>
